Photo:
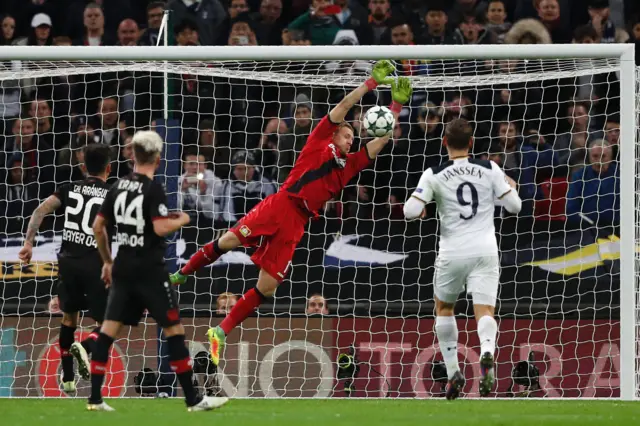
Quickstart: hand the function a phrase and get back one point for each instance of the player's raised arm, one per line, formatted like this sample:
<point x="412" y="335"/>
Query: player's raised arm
<point x="379" y="75"/>
<point x="401" y="93"/>
<point x="170" y="224"/>
<point x="504" y="189"/>
<point x="423" y="194"/>
<point x="48" y="206"/>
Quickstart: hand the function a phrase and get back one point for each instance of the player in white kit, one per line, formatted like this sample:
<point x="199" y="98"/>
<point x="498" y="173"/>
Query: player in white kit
<point x="466" y="192"/>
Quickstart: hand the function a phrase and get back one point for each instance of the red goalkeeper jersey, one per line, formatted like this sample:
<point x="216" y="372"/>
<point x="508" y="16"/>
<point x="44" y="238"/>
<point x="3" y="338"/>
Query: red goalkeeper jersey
<point x="322" y="171"/>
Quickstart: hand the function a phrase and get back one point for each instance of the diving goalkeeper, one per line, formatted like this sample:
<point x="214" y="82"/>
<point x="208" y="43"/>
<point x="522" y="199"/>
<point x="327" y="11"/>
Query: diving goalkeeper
<point x="321" y="171"/>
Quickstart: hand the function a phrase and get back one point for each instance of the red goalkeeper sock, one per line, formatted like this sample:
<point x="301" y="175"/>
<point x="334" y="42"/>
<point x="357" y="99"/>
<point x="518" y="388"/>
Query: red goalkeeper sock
<point x="245" y="306"/>
<point x="209" y="253"/>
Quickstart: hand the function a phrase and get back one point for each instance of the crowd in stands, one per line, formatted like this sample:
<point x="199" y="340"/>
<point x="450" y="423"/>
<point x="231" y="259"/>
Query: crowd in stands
<point x="241" y="138"/>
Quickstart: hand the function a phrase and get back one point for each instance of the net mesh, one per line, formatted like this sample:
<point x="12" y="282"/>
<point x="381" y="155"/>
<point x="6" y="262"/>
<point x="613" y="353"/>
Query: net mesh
<point x="362" y="276"/>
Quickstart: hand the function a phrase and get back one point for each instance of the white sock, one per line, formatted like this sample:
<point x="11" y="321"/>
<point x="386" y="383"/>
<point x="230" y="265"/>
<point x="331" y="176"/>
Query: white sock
<point x="487" y="330"/>
<point x="447" y="332"/>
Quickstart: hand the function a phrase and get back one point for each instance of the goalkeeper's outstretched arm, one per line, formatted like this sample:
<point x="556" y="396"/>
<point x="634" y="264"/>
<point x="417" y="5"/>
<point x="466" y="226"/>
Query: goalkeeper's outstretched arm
<point x="401" y="93"/>
<point x="379" y="75"/>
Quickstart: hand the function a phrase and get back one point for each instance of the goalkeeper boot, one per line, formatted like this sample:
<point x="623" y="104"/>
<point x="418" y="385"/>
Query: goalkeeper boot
<point x="99" y="407"/>
<point x="216" y="341"/>
<point x="455" y="385"/>
<point x="488" y="375"/>
<point x="177" y="278"/>
<point x="208" y="403"/>
<point x="80" y="354"/>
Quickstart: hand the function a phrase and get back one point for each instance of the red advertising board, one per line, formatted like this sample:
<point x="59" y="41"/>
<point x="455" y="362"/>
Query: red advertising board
<point x="575" y="358"/>
<point x="295" y="357"/>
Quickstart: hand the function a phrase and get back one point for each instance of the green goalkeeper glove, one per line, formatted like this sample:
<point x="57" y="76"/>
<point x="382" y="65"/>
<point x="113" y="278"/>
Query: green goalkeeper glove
<point x="381" y="72"/>
<point x="401" y="90"/>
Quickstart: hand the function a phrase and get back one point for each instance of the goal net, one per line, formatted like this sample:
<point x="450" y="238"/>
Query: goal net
<point x="359" y="288"/>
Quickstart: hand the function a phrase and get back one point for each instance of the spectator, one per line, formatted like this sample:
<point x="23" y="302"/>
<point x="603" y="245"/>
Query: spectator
<point x="317" y="305"/>
<point x="197" y="186"/>
<point x="186" y="33"/>
<point x="268" y="23"/>
<point x="127" y="155"/>
<point x="357" y="67"/>
<point x="471" y="30"/>
<point x="40" y="34"/>
<point x="237" y="7"/>
<point x="549" y="15"/>
<point x="528" y="31"/>
<point x="246" y="188"/>
<point x="634" y="28"/>
<point x="242" y="33"/>
<point x="207" y="15"/>
<point x="600" y="20"/>
<point x="40" y="110"/>
<point x="18" y="196"/>
<point x="497" y="19"/>
<point x="38" y="157"/>
<point x="380" y="14"/>
<point x="594" y="191"/>
<point x="217" y="157"/>
<point x="108" y="121"/>
<point x="425" y="143"/>
<point x="269" y="142"/>
<point x="155" y="12"/>
<point x="401" y="33"/>
<point x="94" y="32"/>
<point x="291" y="144"/>
<point x="612" y="130"/>
<point x="355" y="17"/>
<point x="462" y="8"/>
<point x="225" y="302"/>
<point x="435" y="31"/>
<point x="128" y="33"/>
<point x="8" y="26"/>
<point x="319" y="25"/>
<point x="570" y="147"/>
<point x="522" y="161"/>
<point x="72" y="170"/>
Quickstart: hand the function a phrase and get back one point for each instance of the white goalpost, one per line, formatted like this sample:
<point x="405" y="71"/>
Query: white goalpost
<point x="569" y="287"/>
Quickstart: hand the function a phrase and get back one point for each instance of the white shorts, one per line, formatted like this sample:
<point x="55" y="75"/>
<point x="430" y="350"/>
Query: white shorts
<point x="480" y="276"/>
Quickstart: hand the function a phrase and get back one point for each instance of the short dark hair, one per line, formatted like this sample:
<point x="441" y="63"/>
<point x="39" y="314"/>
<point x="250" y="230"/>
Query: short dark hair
<point x="398" y="21"/>
<point x="96" y="158"/>
<point x="458" y="133"/>
<point x="156" y="5"/>
<point x="584" y="32"/>
<point x="191" y="150"/>
<point x="186" y="23"/>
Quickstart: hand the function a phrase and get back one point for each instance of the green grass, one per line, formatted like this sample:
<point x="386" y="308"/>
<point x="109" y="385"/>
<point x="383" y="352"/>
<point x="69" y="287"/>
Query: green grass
<point x="158" y="412"/>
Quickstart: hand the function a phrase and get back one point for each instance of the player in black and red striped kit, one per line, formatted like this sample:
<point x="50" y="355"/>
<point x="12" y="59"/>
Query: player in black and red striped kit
<point x="322" y="170"/>
<point x="79" y="285"/>
<point x="136" y="207"/>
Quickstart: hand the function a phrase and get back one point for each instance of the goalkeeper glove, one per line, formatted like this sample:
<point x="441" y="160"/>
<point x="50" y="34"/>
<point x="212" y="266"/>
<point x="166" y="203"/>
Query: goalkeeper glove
<point x="381" y="74"/>
<point x="400" y="93"/>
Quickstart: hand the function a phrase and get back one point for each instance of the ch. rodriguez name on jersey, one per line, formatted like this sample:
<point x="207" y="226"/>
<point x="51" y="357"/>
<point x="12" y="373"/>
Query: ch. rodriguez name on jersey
<point x="466" y="170"/>
<point x="87" y="197"/>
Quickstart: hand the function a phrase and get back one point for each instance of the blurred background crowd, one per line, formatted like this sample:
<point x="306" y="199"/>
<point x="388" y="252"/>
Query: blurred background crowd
<point x="557" y="138"/>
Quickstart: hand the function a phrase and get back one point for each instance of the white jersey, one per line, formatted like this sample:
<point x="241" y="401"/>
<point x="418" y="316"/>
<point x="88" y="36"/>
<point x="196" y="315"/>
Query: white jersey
<point x="466" y="192"/>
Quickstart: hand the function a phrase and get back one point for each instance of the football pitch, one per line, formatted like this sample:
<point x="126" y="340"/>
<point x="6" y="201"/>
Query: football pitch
<point x="280" y="412"/>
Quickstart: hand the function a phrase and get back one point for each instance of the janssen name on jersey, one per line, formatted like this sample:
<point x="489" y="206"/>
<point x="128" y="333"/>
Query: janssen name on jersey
<point x="465" y="191"/>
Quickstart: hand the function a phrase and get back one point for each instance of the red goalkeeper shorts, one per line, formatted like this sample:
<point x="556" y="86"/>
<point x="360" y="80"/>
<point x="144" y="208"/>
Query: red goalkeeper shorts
<point x="277" y="225"/>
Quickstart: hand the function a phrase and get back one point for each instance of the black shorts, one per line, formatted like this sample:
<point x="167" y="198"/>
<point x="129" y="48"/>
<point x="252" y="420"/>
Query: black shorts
<point x="129" y="296"/>
<point x="80" y="286"/>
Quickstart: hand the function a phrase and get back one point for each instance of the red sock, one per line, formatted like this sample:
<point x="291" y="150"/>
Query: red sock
<point x="245" y="306"/>
<point x="209" y="253"/>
